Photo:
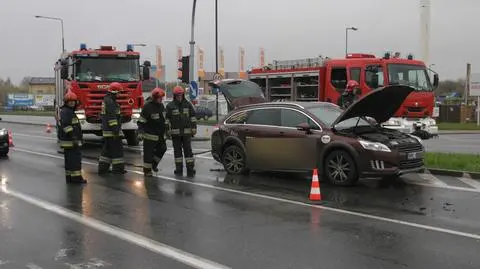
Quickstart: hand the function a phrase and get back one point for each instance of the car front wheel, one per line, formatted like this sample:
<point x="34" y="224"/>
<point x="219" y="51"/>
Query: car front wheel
<point x="233" y="160"/>
<point x="4" y="153"/>
<point x="340" y="168"/>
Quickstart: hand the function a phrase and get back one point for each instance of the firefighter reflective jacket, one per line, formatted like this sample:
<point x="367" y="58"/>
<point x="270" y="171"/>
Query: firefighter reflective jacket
<point x="111" y="116"/>
<point x="152" y="121"/>
<point x="181" y="120"/>
<point x="70" y="131"/>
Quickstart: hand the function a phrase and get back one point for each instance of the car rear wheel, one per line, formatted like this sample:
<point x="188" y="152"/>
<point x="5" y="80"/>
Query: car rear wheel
<point x="340" y="168"/>
<point x="206" y="117"/>
<point x="4" y="153"/>
<point x="131" y="137"/>
<point x="233" y="160"/>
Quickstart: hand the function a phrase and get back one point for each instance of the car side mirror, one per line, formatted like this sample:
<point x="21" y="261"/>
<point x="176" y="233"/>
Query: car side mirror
<point x="146" y="73"/>
<point x="304" y="127"/>
<point x="436" y="81"/>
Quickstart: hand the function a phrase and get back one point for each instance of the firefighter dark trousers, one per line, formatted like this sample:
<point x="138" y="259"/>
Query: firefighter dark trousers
<point x="183" y="143"/>
<point x="153" y="152"/>
<point x="73" y="164"/>
<point x="112" y="154"/>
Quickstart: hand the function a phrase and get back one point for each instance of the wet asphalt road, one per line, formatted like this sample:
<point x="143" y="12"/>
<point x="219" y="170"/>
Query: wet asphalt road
<point x="263" y="221"/>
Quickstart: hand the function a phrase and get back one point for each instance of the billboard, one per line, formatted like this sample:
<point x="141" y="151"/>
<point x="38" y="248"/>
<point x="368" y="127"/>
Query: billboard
<point x="44" y="99"/>
<point x="20" y="99"/>
<point x="475" y="84"/>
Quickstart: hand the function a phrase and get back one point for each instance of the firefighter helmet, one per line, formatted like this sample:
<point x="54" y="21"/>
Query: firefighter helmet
<point x="158" y="93"/>
<point x="178" y="90"/>
<point x="352" y="84"/>
<point x="115" y="87"/>
<point x="70" y="96"/>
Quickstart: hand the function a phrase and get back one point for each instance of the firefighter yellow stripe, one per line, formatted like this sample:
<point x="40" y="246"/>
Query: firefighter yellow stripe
<point x="112" y="122"/>
<point x="68" y="129"/>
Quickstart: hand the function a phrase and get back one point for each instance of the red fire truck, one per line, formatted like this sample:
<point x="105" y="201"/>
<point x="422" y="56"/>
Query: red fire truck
<point x="324" y="79"/>
<point x="88" y="73"/>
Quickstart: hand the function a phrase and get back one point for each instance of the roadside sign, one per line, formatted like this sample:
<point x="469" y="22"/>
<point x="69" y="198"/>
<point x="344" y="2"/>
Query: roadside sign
<point x="475" y="84"/>
<point x="193" y="90"/>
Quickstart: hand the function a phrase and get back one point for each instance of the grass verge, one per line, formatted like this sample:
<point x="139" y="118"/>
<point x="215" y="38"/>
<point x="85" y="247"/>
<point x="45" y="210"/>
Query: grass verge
<point x="453" y="161"/>
<point x="458" y="126"/>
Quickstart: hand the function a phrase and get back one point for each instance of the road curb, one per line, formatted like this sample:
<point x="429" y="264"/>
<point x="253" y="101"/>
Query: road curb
<point x="453" y="173"/>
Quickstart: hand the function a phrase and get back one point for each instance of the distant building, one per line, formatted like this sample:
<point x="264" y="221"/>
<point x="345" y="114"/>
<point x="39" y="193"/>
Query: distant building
<point x="41" y="85"/>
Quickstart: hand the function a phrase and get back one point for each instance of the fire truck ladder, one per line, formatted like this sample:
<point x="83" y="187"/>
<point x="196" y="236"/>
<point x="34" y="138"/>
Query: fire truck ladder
<point x="300" y="63"/>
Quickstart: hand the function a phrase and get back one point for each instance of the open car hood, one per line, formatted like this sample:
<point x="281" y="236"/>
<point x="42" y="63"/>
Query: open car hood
<point x="239" y="92"/>
<point x="380" y="104"/>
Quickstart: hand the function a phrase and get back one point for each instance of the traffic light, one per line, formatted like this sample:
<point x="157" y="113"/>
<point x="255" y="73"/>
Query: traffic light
<point x="183" y="69"/>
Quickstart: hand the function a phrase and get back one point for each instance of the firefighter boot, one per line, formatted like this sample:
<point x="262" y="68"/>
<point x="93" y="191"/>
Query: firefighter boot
<point x="154" y="166"/>
<point x="147" y="172"/>
<point x="103" y="168"/>
<point x="178" y="170"/>
<point x="191" y="172"/>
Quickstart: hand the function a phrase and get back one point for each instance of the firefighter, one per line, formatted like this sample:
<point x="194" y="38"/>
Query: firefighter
<point x="70" y="134"/>
<point x="350" y="94"/>
<point x="181" y="127"/>
<point x="112" y="151"/>
<point x="151" y="128"/>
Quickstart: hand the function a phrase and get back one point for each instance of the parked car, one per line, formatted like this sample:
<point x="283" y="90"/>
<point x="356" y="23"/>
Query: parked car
<point x="344" y="145"/>
<point x="202" y="112"/>
<point x="4" y="142"/>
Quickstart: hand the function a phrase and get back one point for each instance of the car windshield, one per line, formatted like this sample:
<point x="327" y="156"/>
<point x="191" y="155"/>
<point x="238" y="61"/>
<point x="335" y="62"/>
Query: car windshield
<point x="328" y="115"/>
<point x="415" y="76"/>
<point x="107" y="69"/>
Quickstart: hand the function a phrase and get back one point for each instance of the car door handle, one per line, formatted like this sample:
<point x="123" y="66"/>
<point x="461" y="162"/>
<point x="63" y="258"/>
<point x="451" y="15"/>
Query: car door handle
<point x="282" y="133"/>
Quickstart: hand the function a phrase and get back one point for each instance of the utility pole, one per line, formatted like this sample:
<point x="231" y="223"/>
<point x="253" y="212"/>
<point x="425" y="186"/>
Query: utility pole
<point x="467" y="83"/>
<point x="216" y="55"/>
<point x="192" y="46"/>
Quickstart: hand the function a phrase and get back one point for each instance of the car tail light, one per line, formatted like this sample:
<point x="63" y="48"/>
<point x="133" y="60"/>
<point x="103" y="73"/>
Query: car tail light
<point x="10" y="138"/>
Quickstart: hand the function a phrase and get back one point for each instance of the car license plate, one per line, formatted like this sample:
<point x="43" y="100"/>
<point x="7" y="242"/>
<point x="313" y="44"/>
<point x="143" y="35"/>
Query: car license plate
<point x="414" y="155"/>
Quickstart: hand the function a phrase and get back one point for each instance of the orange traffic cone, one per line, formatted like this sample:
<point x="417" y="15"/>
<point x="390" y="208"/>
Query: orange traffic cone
<point x="49" y="128"/>
<point x="10" y="139"/>
<point x="315" y="194"/>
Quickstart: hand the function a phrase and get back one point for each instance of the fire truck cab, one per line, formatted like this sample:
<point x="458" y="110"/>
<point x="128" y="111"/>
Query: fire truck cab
<point x="89" y="72"/>
<point x="325" y="79"/>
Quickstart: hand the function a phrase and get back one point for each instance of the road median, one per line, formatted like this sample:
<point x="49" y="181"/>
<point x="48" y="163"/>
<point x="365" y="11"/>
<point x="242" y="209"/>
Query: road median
<point x="453" y="164"/>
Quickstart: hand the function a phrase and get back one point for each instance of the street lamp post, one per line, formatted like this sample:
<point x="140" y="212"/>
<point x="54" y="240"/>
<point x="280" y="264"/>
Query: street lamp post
<point x="192" y="45"/>
<point x="346" y="38"/>
<point x="216" y="56"/>
<point x="56" y="19"/>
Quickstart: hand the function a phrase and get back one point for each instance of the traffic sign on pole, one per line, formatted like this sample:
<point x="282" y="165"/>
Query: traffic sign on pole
<point x="193" y="90"/>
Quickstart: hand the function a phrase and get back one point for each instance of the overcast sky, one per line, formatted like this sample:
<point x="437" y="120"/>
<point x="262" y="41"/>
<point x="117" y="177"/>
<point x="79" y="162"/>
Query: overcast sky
<point x="286" y="29"/>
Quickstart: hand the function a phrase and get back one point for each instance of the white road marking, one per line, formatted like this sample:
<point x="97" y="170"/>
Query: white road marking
<point x="471" y="182"/>
<point x="33" y="266"/>
<point x="92" y="263"/>
<point x="3" y="262"/>
<point x="139" y="149"/>
<point x="149" y="244"/>
<point x="303" y="204"/>
<point x="432" y="180"/>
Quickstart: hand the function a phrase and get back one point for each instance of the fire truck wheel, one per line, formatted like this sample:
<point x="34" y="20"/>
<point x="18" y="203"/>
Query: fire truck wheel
<point x="132" y="137"/>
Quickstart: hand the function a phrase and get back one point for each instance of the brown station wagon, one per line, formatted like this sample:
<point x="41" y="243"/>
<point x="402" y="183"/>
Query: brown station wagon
<point x="344" y="145"/>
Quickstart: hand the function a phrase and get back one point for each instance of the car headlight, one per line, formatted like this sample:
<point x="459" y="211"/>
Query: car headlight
<point x="3" y="132"/>
<point x="375" y="146"/>
<point x="135" y="115"/>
